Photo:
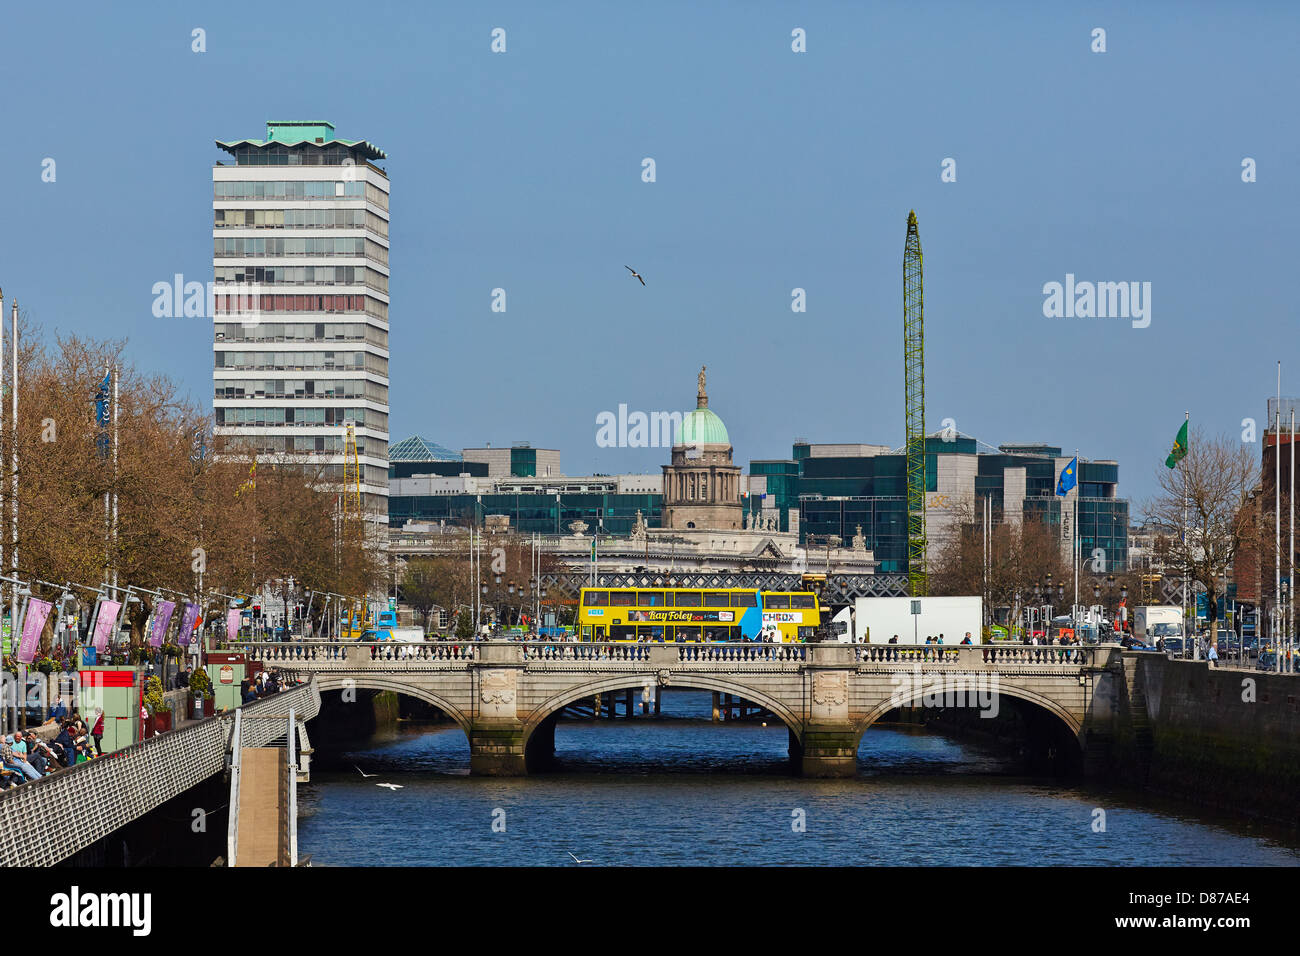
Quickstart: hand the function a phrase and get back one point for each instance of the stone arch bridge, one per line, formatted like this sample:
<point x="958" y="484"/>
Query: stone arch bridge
<point x="507" y="696"/>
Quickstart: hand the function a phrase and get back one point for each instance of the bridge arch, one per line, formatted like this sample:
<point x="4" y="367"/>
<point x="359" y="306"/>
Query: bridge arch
<point x="1069" y="720"/>
<point x="1004" y="689"/>
<point x="685" y="681"/>
<point x="398" y="686"/>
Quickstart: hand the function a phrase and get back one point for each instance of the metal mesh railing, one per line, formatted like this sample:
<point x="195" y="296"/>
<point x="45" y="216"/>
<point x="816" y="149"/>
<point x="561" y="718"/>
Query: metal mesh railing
<point x="43" y="822"/>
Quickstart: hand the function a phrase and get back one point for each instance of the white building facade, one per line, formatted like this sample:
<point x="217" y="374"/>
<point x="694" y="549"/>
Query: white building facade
<point x="300" y="263"/>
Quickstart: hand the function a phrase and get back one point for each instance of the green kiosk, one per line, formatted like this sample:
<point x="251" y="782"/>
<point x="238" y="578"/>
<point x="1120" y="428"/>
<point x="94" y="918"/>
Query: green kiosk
<point x="117" y="690"/>
<point x="227" y="672"/>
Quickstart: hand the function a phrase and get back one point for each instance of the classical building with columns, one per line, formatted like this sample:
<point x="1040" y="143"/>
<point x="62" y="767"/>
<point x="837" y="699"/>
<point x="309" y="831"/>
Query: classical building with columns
<point x="702" y="486"/>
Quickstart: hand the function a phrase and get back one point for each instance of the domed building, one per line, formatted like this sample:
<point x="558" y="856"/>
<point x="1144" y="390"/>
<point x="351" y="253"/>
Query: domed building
<point x="702" y="486"/>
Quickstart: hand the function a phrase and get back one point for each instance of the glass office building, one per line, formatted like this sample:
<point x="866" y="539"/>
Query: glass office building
<point x="541" y="512"/>
<point x="835" y="493"/>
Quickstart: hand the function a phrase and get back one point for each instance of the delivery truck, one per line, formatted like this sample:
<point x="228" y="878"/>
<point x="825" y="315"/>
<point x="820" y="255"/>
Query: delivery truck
<point x="1153" y="623"/>
<point x="878" y="620"/>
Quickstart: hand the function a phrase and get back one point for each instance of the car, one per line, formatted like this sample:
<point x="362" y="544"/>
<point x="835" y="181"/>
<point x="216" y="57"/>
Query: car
<point x="1173" y="645"/>
<point x="1130" y="643"/>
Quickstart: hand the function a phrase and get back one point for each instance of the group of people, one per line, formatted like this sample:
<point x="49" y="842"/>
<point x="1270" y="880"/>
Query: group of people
<point x="25" y="756"/>
<point x="263" y="685"/>
<point x="931" y="639"/>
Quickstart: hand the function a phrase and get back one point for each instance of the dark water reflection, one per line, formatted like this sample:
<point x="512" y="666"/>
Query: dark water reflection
<point x="685" y="791"/>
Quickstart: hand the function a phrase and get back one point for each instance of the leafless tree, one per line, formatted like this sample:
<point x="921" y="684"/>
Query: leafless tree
<point x="1206" y="495"/>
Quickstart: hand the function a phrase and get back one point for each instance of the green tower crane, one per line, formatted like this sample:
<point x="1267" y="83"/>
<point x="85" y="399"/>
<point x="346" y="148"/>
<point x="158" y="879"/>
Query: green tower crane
<point x="914" y="367"/>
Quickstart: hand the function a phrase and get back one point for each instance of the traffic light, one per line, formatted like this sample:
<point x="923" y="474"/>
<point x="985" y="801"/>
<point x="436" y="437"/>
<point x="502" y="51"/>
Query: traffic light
<point x="257" y="611"/>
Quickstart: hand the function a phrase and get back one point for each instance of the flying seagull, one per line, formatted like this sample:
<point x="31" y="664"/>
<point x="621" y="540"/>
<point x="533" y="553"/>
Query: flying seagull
<point x="576" y="860"/>
<point x="390" y="786"/>
<point x="364" y="774"/>
<point x="635" y="273"/>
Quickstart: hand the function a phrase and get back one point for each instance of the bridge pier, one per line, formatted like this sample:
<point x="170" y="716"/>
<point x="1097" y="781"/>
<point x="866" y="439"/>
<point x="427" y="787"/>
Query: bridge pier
<point x="497" y="748"/>
<point x="828" y="752"/>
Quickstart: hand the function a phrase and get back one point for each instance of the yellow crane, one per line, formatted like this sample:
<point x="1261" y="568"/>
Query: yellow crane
<point x="914" y="407"/>
<point x="358" y="620"/>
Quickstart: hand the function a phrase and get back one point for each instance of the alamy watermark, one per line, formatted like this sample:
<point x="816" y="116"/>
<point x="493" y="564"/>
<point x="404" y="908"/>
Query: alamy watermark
<point x="1100" y="300"/>
<point x="979" y="691"/>
<point x="637" y="429"/>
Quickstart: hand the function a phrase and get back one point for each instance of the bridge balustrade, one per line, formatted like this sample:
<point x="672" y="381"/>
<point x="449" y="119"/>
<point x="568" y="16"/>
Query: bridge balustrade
<point x="739" y="653"/>
<point x="288" y="654"/>
<point x="976" y="655"/>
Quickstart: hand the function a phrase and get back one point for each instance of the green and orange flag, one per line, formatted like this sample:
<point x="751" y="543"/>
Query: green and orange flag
<point x="1179" y="451"/>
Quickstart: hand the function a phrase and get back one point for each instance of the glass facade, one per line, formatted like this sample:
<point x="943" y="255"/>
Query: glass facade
<point x="883" y="521"/>
<point x="834" y="495"/>
<point x="613" y="513"/>
<point x="523" y="462"/>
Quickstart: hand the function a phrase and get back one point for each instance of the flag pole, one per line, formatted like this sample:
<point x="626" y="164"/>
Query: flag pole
<point x="1187" y="418"/>
<point x="1290" y="591"/>
<point x="1078" y="540"/>
<point x="1277" y="520"/>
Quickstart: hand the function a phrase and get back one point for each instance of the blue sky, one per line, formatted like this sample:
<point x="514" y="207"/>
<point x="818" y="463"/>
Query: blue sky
<point x="775" y="170"/>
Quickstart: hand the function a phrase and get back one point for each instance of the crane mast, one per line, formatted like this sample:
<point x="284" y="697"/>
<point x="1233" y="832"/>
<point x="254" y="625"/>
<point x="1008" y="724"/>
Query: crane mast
<point x="914" y="369"/>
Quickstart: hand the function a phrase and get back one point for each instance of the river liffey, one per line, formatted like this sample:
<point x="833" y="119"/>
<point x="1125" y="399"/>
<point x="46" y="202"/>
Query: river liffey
<point x="682" y="790"/>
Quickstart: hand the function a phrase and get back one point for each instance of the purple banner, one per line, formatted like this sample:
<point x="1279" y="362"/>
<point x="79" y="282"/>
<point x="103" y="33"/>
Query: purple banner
<point x="106" y="623"/>
<point x="38" y="613"/>
<point x="232" y="624"/>
<point x="162" y="616"/>
<point x="187" y="624"/>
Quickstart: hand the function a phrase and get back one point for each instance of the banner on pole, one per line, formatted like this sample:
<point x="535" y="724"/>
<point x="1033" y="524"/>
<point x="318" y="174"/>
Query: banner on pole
<point x="38" y="612"/>
<point x="232" y="624"/>
<point x="105" y="623"/>
<point x="188" y="619"/>
<point x="161" y="618"/>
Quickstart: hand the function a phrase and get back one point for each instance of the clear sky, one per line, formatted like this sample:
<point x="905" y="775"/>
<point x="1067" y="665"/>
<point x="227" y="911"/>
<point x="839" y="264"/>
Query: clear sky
<point x="775" y="170"/>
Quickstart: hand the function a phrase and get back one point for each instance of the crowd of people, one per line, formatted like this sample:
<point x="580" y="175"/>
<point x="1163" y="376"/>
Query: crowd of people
<point x="26" y="756"/>
<point x="264" y="684"/>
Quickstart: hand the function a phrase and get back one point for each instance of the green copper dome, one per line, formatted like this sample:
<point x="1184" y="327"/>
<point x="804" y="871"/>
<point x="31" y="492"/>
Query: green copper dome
<point x="702" y="427"/>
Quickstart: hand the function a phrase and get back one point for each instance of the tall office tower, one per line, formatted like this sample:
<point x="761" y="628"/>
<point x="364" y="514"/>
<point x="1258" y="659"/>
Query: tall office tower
<point x="300" y="259"/>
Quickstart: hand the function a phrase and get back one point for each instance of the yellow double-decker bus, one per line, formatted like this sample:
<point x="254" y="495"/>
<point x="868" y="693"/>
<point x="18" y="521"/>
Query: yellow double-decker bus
<point x="686" y="615"/>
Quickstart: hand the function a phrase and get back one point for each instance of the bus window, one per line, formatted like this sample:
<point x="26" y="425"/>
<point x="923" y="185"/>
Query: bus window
<point x="687" y="634"/>
<point x="717" y="599"/>
<point x="688" y="598"/>
<point x="595" y="599"/>
<point x="744" y="599"/>
<point x="622" y="598"/>
<point x="802" y="601"/>
<point x="650" y="599"/>
<point x="776" y="601"/>
<point x="622" y="633"/>
<point x="586" y="632"/>
<point x="650" y="633"/>
<point x="806" y="633"/>
<point x="600" y="632"/>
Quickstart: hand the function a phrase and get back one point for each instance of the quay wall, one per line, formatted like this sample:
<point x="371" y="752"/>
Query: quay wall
<point x="1229" y="739"/>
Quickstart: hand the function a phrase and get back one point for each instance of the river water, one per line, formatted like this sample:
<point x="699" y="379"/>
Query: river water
<point x="682" y="790"/>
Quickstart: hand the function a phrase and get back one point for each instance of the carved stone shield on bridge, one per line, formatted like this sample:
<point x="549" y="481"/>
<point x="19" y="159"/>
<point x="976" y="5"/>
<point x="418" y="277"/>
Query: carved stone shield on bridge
<point x="497" y="693"/>
<point x="830" y="695"/>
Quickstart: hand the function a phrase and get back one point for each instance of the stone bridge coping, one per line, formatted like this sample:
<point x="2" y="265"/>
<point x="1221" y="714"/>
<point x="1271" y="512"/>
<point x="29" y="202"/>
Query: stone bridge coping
<point x="433" y="656"/>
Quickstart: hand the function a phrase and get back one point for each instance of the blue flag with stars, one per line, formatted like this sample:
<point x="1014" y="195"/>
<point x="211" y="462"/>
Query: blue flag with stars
<point x="1069" y="478"/>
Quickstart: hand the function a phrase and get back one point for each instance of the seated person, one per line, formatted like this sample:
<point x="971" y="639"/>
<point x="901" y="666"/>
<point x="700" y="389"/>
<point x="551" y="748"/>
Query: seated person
<point x="64" y="742"/>
<point x="12" y="761"/>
